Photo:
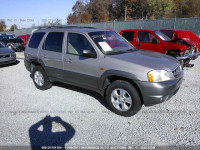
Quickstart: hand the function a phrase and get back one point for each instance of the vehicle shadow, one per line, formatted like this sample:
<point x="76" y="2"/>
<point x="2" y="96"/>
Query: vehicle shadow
<point x="42" y="135"/>
<point x="84" y="91"/>
<point x="9" y="65"/>
<point x="81" y="90"/>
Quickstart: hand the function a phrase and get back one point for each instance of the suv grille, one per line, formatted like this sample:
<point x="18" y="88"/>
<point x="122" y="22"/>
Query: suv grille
<point x="5" y="56"/>
<point x="177" y="72"/>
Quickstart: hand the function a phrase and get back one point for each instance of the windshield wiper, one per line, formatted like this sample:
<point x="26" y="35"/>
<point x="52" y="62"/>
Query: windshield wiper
<point x="116" y="52"/>
<point x="130" y="50"/>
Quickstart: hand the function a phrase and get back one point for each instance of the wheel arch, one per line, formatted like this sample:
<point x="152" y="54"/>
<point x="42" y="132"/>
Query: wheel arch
<point x="111" y="78"/>
<point x="34" y="63"/>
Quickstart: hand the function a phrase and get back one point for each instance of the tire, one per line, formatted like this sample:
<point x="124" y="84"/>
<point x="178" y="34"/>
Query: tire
<point x="128" y="104"/>
<point x="40" y="78"/>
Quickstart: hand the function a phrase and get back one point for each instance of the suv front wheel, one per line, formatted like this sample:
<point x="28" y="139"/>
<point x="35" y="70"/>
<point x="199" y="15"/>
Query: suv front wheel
<point x="40" y="78"/>
<point x="123" y="99"/>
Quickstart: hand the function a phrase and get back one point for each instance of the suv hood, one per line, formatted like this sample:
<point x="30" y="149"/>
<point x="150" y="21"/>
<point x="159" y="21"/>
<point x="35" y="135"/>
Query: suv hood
<point x="185" y="41"/>
<point x="147" y="59"/>
<point x="172" y="45"/>
<point x="6" y="50"/>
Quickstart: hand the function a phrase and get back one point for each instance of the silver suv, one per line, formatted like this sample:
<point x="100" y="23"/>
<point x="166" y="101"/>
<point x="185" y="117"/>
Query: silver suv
<point x="102" y="61"/>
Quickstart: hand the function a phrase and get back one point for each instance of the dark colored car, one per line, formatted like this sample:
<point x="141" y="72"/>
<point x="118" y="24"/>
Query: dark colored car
<point x="159" y="42"/>
<point x="12" y="42"/>
<point x="7" y="56"/>
<point x="25" y="38"/>
<point x="184" y="35"/>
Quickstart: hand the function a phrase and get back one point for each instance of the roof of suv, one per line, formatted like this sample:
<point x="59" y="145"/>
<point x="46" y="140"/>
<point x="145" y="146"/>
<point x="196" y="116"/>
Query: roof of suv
<point x="68" y="28"/>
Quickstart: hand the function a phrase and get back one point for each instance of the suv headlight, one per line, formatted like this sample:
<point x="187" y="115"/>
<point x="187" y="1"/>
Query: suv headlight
<point x="158" y="76"/>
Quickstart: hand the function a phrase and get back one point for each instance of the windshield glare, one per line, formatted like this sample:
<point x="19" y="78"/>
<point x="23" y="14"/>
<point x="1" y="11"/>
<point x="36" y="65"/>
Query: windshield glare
<point x="110" y="42"/>
<point x="162" y="36"/>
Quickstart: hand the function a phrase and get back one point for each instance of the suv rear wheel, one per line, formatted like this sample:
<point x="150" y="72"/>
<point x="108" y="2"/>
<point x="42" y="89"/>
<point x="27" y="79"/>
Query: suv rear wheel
<point x="123" y="99"/>
<point x="40" y="78"/>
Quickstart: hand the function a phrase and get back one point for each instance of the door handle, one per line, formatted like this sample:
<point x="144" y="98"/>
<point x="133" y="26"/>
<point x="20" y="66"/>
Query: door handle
<point x="68" y="60"/>
<point x="138" y="45"/>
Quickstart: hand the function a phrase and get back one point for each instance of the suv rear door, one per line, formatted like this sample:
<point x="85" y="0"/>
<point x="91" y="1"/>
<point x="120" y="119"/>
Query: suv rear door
<point x="51" y="53"/>
<point x="80" y="70"/>
<point x="32" y="48"/>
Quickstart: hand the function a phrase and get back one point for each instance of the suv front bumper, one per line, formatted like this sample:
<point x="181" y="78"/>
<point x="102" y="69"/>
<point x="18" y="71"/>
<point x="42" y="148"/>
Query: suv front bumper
<point x="190" y="56"/>
<point x="155" y="93"/>
<point x="9" y="60"/>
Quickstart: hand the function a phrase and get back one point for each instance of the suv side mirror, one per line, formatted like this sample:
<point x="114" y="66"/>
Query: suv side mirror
<point x="155" y="41"/>
<point x="89" y="54"/>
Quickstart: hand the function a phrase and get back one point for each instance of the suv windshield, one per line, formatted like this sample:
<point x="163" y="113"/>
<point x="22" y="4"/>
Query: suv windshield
<point x="2" y="45"/>
<point x="110" y="42"/>
<point x="162" y="36"/>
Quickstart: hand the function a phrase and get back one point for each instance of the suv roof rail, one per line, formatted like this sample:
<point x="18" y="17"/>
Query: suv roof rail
<point x="54" y="27"/>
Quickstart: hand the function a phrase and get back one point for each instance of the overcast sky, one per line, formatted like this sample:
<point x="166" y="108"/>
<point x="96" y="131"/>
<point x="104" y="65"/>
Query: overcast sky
<point x="24" y="13"/>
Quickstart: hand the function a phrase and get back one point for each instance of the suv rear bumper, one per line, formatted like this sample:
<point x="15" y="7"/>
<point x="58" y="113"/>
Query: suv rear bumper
<point x="155" y="93"/>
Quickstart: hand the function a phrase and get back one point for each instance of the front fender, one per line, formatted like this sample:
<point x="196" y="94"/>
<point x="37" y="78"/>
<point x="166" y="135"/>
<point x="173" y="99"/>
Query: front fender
<point x="109" y="74"/>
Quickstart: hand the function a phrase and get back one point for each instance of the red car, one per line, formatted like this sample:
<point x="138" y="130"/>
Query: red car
<point x="159" y="42"/>
<point x="24" y="38"/>
<point x="185" y="35"/>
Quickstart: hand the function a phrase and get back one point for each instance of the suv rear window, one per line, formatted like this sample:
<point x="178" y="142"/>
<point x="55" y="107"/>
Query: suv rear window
<point x="36" y="39"/>
<point x="54" y="42"/>
<point x="128" y="35"/>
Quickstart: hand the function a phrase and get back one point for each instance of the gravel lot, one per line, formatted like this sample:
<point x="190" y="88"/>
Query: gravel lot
<point x="88" y="122"/>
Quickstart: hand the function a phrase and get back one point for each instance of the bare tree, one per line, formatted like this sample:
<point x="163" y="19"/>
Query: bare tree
<point x="2" y="26"/>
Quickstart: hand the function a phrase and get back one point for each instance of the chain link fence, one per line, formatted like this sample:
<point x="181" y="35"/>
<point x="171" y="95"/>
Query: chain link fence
<point x="192" y="24"/>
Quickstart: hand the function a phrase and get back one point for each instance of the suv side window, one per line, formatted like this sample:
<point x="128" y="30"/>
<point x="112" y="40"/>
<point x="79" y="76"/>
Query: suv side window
<point x="76" y="43"/>
<point x="144" y="36"/>
<point x="54" y="42"/>
<point x="36" y="39"/>
<point x="128" y="35"/>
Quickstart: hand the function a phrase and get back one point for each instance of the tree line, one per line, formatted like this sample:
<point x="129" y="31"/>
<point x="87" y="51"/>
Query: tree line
<point x="109" y="10"/>
<point x="3" y="26"/>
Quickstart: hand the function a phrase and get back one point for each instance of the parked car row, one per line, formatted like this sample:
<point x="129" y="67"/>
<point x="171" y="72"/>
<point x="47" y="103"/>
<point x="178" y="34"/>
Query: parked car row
<point x="125" y="72"/>
<point x="164" y="42"/>
<point x="12" y="42"/>
<point x="104" y="62"/>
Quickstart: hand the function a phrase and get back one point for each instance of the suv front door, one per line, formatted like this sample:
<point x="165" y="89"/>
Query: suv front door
<point x="145" y="41"/>
<point x="80" y="70"/>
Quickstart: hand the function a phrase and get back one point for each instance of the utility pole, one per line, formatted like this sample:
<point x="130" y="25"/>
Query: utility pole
<point x="125" y="12"/>
<point x="175" y="22"/>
